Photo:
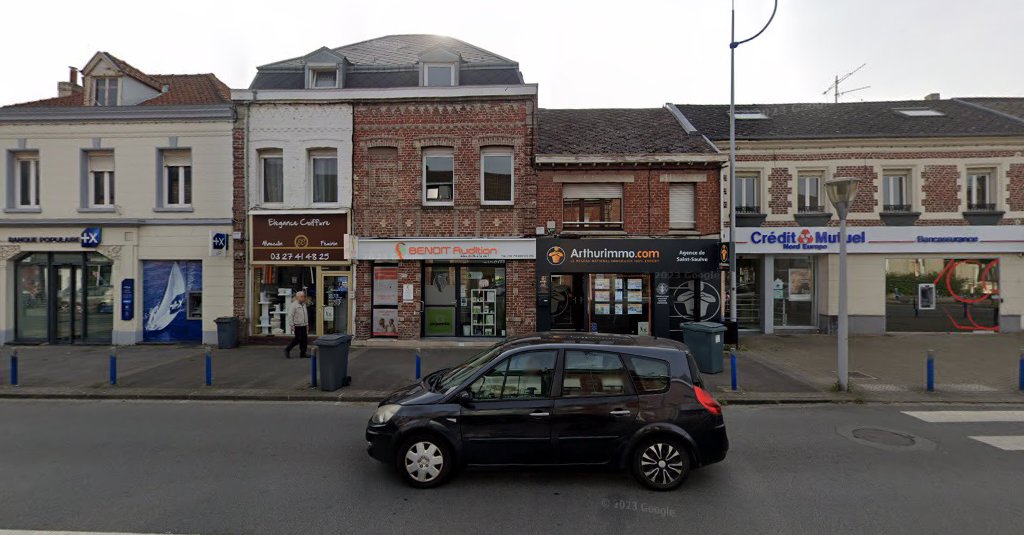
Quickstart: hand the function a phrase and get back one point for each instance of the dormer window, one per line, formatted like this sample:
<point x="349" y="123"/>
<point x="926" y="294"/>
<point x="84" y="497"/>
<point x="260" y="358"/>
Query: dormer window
<point x="438" y="75"/>
<point x="105" y="92"/>
<point x="325" y="78"/>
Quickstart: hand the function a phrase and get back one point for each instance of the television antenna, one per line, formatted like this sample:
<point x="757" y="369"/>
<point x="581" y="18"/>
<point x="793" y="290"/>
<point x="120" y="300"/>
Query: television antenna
<point x="834" y="88"/>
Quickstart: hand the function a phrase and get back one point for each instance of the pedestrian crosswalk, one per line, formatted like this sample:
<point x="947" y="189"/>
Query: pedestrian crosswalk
<point x="1003" y="442"/>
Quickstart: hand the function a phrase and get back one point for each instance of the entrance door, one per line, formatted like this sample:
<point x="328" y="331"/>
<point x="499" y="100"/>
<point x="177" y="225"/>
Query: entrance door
<point x="69" y="305"/>
<point x="333" y="303"/>
<point x="567" y="302"/>
<point x="439" y="300"/>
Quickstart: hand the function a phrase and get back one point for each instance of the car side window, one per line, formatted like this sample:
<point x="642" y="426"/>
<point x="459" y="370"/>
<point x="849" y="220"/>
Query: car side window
<point x="650" y="376"/>
<point x="522" y="376"/>
<point x="593" y="373"/>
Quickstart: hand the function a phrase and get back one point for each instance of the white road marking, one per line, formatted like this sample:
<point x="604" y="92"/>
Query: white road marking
<point x="30" y="532"/>
<point x="967" y="416"/>
<point x="1008" y="443"/>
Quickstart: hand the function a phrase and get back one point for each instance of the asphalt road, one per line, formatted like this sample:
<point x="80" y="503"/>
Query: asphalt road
<point x="283" y="468"/>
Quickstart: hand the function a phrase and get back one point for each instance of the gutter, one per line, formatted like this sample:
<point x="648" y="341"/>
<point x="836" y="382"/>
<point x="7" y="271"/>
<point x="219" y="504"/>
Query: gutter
<point x="628" y="158"/>
<point x="118" y="113"/>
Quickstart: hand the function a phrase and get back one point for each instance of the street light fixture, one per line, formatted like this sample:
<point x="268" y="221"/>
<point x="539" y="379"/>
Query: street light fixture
<point x="841" y="191"/>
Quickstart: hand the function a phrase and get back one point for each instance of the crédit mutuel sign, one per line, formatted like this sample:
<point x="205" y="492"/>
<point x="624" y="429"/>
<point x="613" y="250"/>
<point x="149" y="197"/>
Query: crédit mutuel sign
<point x="920" y="239"/>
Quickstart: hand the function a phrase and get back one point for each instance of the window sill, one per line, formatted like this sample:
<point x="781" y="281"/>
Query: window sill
<point x="438" y="204"/>
<point x="97" y="210"/>
<point x="684" y="232"/>
<point x="497" y="204"/>
<point x="594" y="232"/>
<point x="24" y="210"/>
<point x="173" y="209"/>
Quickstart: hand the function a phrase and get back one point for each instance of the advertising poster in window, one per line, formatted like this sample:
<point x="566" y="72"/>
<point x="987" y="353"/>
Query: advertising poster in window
<point x="635" y="308"/>
<point x="635" y="296"/>
<point x="166" y="287"/>
<point x="385" y="285"/>
<point x="636" y="284"/>
<point x="440" y="321"/>
<point x="385" y="322"/>
<point x="799" y="284"/>
<point x="601" y="296"/>
<point x="601" y="284"/>
<point x="602" y="309"/>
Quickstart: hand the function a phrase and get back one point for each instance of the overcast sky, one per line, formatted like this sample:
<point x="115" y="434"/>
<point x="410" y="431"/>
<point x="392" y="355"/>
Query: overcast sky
<point x="593" y="53"/>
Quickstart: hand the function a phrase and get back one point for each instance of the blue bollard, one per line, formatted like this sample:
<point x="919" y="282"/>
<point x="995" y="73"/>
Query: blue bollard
<point x="14" y="369"/>
<point x="312" y="369"/>
<point x="209" y="369"/>
<point x="1020" y="371"/>
<point x="931" y="370"/>
<point x="732" y="368"/>
<point x="113" y="369"/>
<point x="417" y="366"/>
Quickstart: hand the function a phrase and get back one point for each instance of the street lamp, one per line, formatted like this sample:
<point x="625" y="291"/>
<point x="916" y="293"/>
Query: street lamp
<point x="841" y="191"/>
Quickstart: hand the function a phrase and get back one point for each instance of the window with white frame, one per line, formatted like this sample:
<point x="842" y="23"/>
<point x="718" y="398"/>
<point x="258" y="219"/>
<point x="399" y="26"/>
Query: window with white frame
<point x="593" y="206"/>
<point x="809" y="193"/>
<point x="325" y="78"/>
<point x="101" y="179"/>
<point x="324" y="168"/>
<point x="682" y="214"/>
<point x="895" y="196"/>
<point x="272" y="176"/>
<point x="496" y="176"/>
<point x="105" y="91"/>
<point x="177" y="178"/>
<point x="981" y="189"/>
<point x="747" y="188"/>
<point x="438" y="176"/>
<point x="26" y="183"/>
<point x="438" y="75"/>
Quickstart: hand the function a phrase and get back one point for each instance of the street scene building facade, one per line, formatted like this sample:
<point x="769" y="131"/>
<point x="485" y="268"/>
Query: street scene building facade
<point x="935" y="240"/>
<point x="628" y="203"/>
<point x="116" y="209"/>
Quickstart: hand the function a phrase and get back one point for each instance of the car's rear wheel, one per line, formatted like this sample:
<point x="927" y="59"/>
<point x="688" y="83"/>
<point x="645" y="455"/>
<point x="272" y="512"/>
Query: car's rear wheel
<point x="425" y="461"/>
<point x="661" y="463"/>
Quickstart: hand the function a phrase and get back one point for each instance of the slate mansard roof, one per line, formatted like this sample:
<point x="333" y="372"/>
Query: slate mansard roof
<point x="616" y="131"/>
<point x="392" y="61"/>
<point x="852" y="120"/>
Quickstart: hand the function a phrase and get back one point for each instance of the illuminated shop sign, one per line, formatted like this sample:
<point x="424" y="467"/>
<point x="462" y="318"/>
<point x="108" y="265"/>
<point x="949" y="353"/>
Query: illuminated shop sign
<point x="938" y="239"/>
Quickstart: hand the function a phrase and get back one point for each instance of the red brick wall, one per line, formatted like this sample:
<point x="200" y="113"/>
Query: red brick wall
<point x="520" y="297"/>
<point x="1015" y="186"/>
<point x="238" y="210"/>
<point x="940" y="188"/>
<point x="780" y="187"/>
<point x="867" y="190"/>
<point x="646" y="190"/>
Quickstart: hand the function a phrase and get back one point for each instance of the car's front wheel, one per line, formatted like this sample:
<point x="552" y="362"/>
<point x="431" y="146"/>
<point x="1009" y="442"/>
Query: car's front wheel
<point x="425" y="461"/>
<point x="661" y="463"/>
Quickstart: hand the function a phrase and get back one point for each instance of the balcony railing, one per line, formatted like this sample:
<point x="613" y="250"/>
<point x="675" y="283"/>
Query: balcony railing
<point x="748" y="209"/>
<point x="981" y="206"/>
<point x="895" y="207"/>
<point x="811" y="209"/>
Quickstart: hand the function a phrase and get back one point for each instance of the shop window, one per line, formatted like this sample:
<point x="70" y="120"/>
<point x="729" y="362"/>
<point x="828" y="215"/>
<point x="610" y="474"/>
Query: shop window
<point x="272" y="176"/>
<point x="482" y="300"/>
<point x="439" y="303"/>
<point x="959" y="295"/>
<point x="747" y="197"/>
<point x="385" y="301"/>
<point x="748" y="292"/>
<point x="593" y="373"/>
<point x="324" y="173"/>
<point x="681" y="212"/>
<point x="592" y="206"/>
<point x="693" y="297"/>
<point x="619" y="303"/>
<point x="808" y="194"/>
<point x="438" y="177"/>
<point x="793" y="291"/>
<point x="275" y="289"/>
<point x="496" y="176"/>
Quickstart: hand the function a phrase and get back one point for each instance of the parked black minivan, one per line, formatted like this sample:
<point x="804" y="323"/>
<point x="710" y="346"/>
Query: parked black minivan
<point x="556" y="399"/>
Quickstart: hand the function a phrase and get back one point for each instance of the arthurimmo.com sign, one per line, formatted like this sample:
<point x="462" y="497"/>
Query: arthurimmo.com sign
<point x="641" y="255"/>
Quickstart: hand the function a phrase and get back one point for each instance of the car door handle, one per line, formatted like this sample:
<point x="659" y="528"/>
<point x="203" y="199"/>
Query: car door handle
<point x="619" y="412"/>
<point x="540" y="414"/>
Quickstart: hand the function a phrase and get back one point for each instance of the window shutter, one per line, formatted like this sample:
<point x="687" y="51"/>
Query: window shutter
<point x="592" y="191"/>
<point x="103" y="161"/>
<point x="681" y="213"/>
<point x="177" y="157"/>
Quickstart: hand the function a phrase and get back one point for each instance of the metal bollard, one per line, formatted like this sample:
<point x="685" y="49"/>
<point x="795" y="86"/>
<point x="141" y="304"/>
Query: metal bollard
<point x="209" y="369"/>
<point x="14" y="368"/>
<point x="931" y="371"/>
<point x="312" y="369"/>
<point x="732" y="368"/>
<point x="113" y="369"/>
<point x="417" y="366"/>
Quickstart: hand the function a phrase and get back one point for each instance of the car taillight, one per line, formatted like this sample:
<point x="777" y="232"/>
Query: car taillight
<point x="707" y="400"/>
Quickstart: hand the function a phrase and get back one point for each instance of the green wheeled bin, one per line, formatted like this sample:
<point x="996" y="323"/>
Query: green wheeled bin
<point x="705" y="339"/>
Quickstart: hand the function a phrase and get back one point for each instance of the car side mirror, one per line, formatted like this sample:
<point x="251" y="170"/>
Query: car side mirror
<point x="463" y="398"/>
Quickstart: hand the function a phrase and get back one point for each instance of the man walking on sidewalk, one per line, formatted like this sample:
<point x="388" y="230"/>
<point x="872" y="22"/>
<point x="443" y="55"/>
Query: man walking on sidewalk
<point x="299" y="318"/>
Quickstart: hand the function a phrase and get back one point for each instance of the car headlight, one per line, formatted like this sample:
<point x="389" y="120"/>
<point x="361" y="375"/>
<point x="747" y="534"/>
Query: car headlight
<point x="384" y="413"/>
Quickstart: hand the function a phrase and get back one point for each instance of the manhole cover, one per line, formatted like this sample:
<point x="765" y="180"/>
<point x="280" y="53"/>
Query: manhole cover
<point x="881" y="436"/>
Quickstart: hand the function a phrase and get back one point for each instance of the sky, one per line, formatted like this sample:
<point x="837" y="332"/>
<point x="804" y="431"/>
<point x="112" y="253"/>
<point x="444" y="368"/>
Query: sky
<point x="583" y="54"/>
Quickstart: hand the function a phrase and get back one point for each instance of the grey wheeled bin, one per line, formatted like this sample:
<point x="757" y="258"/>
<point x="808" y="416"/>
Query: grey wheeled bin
<point x="227" y="332"/>
<point x="705" y="338"/>
<point x="332" y="351"/>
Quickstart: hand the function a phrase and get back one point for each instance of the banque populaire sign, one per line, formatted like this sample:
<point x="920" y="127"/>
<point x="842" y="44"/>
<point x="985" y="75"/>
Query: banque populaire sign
<point x="299" y="238"/>
<point x="645" y="255"/>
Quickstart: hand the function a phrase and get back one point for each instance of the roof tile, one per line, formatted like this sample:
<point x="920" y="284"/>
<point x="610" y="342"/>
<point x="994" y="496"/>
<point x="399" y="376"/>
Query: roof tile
<point x="615" y="131"/>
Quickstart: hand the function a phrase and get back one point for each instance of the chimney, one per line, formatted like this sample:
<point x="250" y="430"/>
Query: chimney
<point x="932" y="96"/>
<point x="66" y="88"/>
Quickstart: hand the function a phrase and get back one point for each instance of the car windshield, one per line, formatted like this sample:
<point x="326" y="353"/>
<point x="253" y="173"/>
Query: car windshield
<point x="455" y="376"/>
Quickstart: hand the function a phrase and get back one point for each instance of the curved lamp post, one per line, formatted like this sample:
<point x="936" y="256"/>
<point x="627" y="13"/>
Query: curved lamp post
<point x="841" y="191"/>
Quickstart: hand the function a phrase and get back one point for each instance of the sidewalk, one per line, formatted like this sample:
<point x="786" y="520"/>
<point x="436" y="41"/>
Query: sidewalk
<point x="770" y="369"/>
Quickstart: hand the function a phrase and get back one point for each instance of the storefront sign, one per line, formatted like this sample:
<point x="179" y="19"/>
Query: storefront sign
<point x="445" y="249"/>
<point x="127" y="299"/>
<point x="91" y="237"/>
<point x="647" y="255"/>
<point x="218" y="243"/>
<point x="920" y="239"/>
<point x="300" y="238"/>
